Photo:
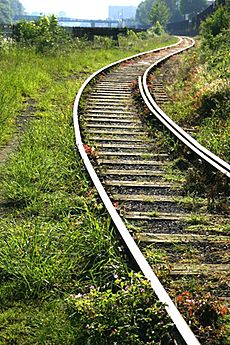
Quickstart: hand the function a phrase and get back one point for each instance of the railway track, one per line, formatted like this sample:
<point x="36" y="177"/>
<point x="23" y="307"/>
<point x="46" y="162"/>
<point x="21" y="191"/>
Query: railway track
<point x="131" y="173"/>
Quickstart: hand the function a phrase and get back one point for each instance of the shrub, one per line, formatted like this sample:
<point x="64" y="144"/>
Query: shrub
<point x="128" y="315"/>
<point x="215" y="29"/>
<point x="205" y="314"/>
<point x="44" y="34"/>
<point x="157" y="29"/>
<point x="215" y="100"/>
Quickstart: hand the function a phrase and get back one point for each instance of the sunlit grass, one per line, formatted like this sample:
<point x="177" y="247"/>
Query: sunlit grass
<point x="55" y="237"/>
<point x="25" y="75"/>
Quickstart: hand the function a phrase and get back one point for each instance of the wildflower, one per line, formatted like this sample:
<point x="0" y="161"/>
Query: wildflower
<point x="79" y="295"/>
<point x="115" y="204"/>
<point x="89" y="150"/>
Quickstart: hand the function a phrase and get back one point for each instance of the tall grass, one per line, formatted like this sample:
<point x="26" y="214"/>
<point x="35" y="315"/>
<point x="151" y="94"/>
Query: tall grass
<point x="203" y="76"/>
<point x="24" y="73"/>
<point x="56" y="239"/>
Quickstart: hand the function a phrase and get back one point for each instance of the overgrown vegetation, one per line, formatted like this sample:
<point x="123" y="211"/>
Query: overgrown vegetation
<point x="127" y="314"/>
<point x="204" y="78"/>
<point x="150" y="11"/>
<point x="44" y="34"/>
<point x="60" y="271"/>
<point x="46" y="40"/>
<point x="58" y="262"/>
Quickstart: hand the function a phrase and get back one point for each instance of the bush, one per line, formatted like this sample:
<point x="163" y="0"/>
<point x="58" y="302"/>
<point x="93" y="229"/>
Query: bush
<point x="215" y="29"/>
<point x="157" y="29"/>
<point x="215" y="101"/>
<point x="101" y="42"/>
<point x="128" y="315"/>
<point x="205" y="314"/>
<point x="44" y="34"/>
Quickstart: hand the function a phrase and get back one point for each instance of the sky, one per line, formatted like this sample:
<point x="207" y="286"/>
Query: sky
<point x="82" y="9"/>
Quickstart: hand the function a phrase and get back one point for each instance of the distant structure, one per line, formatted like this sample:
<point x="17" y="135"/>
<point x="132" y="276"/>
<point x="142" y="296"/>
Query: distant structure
<point x="122" y="12"/>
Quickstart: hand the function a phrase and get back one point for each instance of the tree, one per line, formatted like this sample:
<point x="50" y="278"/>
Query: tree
<point x="5" y="15"/>
<point x="192" y="7"/>
<point x="176" y="14"/>
<point x="160" y="12"/>
<point x="215" y="30"/>
<point x="143" y="10"/>
<point x="16" y="8"/>
<point x="8" y="9"/>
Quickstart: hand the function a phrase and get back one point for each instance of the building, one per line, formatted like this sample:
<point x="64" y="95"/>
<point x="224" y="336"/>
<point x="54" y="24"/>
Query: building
<point x="122" y="12"/>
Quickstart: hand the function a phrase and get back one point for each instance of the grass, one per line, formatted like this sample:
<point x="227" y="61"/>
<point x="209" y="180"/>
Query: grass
<point x="56" y="239"/>
<point x="28" y="74"/>
<point x="198" y="87"/>
<point x="206" y="104"/>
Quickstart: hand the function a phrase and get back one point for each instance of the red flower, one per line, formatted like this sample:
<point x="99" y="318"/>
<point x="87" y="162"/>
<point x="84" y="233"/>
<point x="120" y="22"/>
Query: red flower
<point x="90" y="150"/>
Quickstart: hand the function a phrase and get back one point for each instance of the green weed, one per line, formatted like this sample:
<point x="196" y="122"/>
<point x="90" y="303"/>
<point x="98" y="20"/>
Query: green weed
<point x="119" y="306"/>
<point x="55" y="238"/>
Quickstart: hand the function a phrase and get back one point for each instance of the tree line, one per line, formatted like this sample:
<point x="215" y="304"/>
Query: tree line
<point x="9" y="9"/>
<point x="149" y="12"/>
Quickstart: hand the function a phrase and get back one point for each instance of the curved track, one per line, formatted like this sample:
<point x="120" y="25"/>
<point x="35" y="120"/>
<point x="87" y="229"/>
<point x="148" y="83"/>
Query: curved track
<point x="130" y="174"/>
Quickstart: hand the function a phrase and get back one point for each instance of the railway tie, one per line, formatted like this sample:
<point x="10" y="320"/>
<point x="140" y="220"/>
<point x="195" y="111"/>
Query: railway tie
<point x="131" y="172"/>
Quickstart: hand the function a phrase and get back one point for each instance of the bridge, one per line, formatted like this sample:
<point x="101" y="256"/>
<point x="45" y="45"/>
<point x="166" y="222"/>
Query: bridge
<point x="62" y="20"/>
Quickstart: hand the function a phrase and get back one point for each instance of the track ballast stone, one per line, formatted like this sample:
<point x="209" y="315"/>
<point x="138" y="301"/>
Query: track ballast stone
<point x="133" y="167"/>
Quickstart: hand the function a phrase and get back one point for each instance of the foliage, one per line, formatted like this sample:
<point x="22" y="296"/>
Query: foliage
<point x="203" y="76"/>
<point x="142" y="41"/>
<point x="159" y="13"/>
<point x="44" y="34"/>
<point x="101" y="42"/>
<point x="205" y="314"/>
<point x="128" y="314"/>
<point x="157" y="29"/>
<point x="52" y="240"/>
<point x="215" y="30"/>
<point x="40" y="323"/>
<point x="192" y="6"/>
<point x="144" y="8"/>
<point x="8" y="9"/>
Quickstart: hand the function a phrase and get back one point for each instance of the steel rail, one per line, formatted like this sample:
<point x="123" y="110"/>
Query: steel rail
<point x="181" y="325"/>
<point x="183" y="136"/>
